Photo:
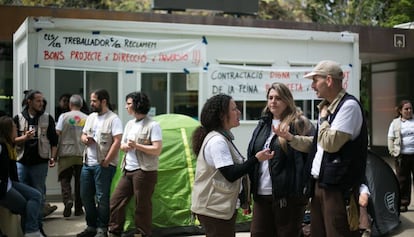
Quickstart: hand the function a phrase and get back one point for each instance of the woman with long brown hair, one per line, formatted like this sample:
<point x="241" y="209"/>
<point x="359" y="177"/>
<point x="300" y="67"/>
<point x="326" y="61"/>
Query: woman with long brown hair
<point x="17" y="197"/>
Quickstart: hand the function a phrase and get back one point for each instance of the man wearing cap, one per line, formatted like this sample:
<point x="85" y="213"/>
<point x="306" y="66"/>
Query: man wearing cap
<point x="337" y="158"/>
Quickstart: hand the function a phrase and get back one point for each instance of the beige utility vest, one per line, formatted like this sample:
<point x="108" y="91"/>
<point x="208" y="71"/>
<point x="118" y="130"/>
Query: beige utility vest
<point x="70" y="137"/>
<point x="212" y="194"/>
<point x="43" y="141"/>
<point x="146" y="162"/>
<point x="104" y="137"/>
<point x="394" y="146"/>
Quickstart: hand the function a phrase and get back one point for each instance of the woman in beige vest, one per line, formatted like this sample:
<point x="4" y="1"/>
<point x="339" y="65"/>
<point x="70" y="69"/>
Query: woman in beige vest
<point x="220" y="168"/>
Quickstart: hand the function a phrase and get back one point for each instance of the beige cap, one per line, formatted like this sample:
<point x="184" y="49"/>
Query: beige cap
<point x="325" y="68"/>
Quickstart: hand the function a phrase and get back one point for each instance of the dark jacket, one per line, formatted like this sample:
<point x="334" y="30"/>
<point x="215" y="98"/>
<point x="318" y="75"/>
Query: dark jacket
<point x="286" y="169"/>
<point x="7" y="169"/>
<point x="345" y="169"/>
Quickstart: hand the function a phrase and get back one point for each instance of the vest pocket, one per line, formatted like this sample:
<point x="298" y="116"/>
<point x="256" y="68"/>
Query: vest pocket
<point x="44" y="146"/>
<point x="105" y="142"/>
<point x="335" y="171"/>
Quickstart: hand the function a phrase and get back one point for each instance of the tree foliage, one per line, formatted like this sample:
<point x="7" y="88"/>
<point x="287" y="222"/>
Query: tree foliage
<point x="385" y="13"/>
<point x="347" y="12"/>
<point x="117" y="5"/>
<point x="399" y="11"/>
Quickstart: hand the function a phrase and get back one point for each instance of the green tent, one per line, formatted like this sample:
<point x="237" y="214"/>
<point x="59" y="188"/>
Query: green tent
<point x="172" y="195"/>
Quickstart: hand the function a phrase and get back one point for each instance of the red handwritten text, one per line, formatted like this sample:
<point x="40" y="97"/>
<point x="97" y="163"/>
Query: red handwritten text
<point x="53" y="55"/>
<point x="86" y="55"/>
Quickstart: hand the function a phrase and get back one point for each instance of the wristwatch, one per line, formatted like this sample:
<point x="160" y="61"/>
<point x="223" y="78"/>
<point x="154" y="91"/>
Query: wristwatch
<point x="322" y="119"/>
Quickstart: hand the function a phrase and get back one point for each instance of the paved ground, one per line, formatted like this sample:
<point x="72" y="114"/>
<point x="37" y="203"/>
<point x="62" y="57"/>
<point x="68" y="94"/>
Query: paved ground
<point x="56" y="225"/>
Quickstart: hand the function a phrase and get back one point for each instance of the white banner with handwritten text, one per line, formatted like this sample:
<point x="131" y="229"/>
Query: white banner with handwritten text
<point x="251" y="83"/>
<point x="99" y="51"/>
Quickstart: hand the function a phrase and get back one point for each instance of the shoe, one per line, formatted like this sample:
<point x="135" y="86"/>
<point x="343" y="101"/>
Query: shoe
<point x="101" y="232"/>
<point x="403" y="209"/>
<point x="67" y="212"/>
<point x="88" y="232"/>
<point x="42" y="231"/>
<point x="110" y="234"/>
<point x="79" y="212"/>
<point x="48" y="209"/>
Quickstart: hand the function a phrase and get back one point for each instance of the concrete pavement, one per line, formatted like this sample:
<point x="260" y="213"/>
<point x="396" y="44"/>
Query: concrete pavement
<point x="56" y="225"/>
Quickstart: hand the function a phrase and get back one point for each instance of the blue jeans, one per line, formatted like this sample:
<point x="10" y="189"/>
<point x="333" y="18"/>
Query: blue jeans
<point x="25" y="201"/>
<point x="35" y="177"/>
<point x="95" y="190"/>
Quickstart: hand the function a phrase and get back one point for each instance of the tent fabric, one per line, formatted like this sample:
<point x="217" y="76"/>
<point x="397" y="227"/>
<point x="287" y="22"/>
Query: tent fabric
<point x="172" y="195"/>
<point x="384" y="201"/>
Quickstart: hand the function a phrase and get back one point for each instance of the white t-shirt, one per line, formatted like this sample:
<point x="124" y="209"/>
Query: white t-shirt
<point x="117" y="129"/>
<point x="348" y="120"/>
<point x="407" y="136"/>
<point x="265" y="182"/>
<point x="217" y="152"/>
<point x="131" y="157"/>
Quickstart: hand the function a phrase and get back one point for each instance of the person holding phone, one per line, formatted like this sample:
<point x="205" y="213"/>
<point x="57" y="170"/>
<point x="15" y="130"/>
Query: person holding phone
<point x="142" y="145"/>
<point x="101" y="135"/>
<point x="220" y="184"/>
<point x="277" y="184"/>
<point x="36" y="143"/>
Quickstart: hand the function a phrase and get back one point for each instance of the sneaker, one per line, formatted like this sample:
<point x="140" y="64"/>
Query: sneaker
<point x="42" y="231"/>
<point x="48" y="209"/>
<point x="68" y="208"/>
<point x="101" y="233"/>
<point x="403" y="209"/>
<point x="88" y="232"/>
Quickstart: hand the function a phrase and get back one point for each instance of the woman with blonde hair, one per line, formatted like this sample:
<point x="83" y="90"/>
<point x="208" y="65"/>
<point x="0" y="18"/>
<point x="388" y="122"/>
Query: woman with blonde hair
<point x="277" y="184"/>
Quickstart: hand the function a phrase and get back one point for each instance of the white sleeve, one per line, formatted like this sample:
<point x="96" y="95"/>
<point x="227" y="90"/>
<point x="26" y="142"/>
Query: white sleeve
<point x="364" y="189"/>
<point x="156" y="133"/>
<point x="391" y="130"/>
<point x="59" y="124"/>
<point x="349" y="119"/>
<point x="217" y="152"/>
<point x="117" y="128"/>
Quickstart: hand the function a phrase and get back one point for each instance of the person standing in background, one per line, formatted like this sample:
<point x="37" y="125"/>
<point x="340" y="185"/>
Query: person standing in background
<point x="36" y="143"/>
<point x="277" y="184"/>
<point x="102" y="135"/>
<point x="401" y="148"/>
<point x="69" y="128"/>
<point x="221" y="184"/>
<point x="142" y="145"/>
<point x="63" y="105"/>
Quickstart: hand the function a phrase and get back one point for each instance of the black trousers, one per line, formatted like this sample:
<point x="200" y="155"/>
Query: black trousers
<point x="404" y="167"/>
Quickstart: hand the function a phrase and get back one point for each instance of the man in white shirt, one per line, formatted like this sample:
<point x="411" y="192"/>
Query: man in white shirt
<point x="338" y="157"/>
<point x="102" y="135"/>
